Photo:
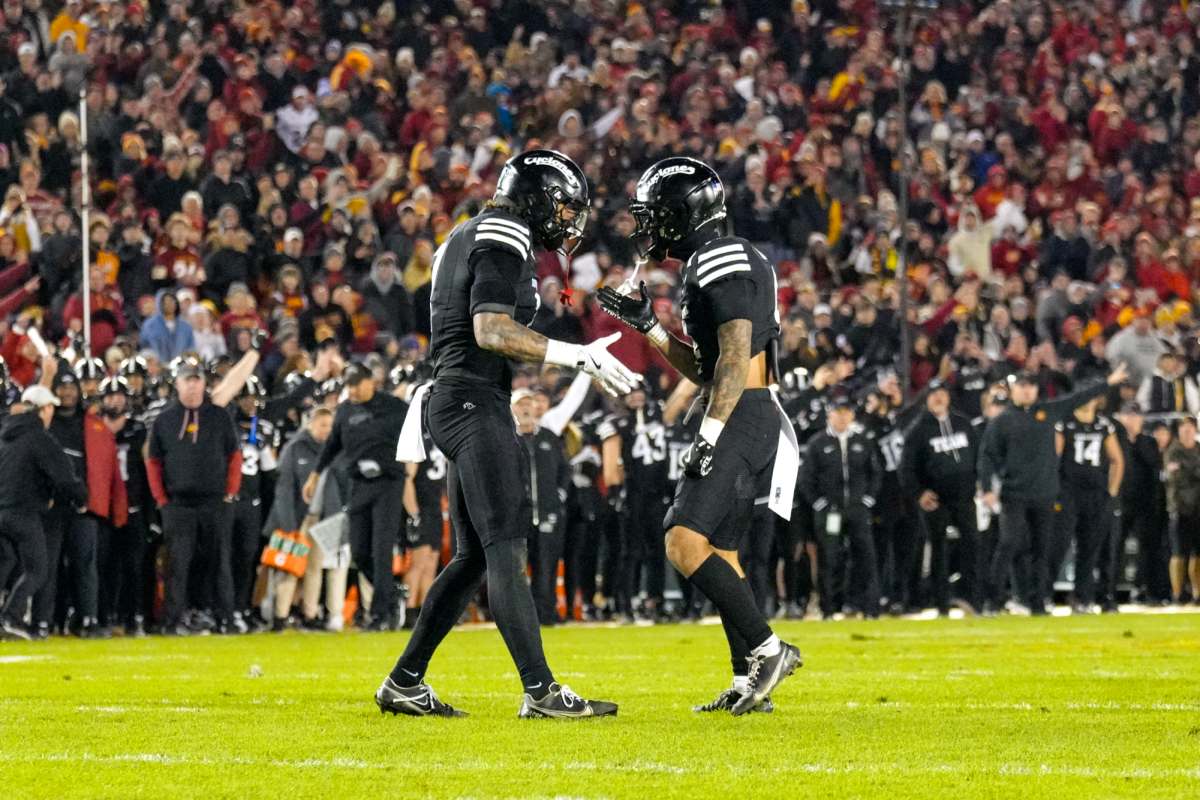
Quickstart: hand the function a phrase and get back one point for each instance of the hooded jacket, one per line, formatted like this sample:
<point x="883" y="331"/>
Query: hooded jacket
<point x="195" y="457"/>
<point x="971" y="250"/>
<point x="156" y="334"/>
<point x="106" y="490"/>
<point x="34" y="467"/>
<point x="296" y="462"/>
<point x="387" y="302"/>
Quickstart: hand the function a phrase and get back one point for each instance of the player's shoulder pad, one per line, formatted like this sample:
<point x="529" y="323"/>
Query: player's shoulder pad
<point x="500" y="230"/>
<point x="607" y="428"/>
<point x="724" y="258"/>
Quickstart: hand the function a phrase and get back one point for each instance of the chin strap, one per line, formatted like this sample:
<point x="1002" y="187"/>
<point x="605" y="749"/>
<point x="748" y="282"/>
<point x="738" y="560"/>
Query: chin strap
<point x="565" y="296"/>
<point x="631" y="282"/>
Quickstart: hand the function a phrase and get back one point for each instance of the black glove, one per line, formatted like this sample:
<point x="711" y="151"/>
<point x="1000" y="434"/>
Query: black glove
<point x="412" y="530"/>
<point x="698" y="459"/>
<point x="637" y="314"/>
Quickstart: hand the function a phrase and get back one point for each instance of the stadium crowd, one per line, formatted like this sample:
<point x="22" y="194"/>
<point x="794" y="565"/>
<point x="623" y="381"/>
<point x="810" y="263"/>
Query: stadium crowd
<point x="270" y="184"/>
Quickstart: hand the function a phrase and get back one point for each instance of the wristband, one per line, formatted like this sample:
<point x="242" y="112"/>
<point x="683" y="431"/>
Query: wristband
<point x="564" y="354"/>
<point x="658" y="335"/>
<point x="710" y="430"/>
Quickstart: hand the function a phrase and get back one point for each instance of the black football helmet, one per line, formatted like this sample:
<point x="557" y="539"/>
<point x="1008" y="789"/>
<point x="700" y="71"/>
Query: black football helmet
<point x="543" y="184"/>
<point x="134" y="366"/>
<point x="252" y="389"/>
<point x="675" y="197"/>
<point x="89" y="373"/>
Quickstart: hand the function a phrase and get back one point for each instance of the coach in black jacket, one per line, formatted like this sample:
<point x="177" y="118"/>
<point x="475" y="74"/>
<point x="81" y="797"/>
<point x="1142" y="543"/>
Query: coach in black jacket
<point x="367" y="430"/>
<point x="938" y="468"/>
<point x="1018" y="467"/>
<point x="840" y="477"/>
<point x="31" y="465"/>
<point x="195" y="471"/>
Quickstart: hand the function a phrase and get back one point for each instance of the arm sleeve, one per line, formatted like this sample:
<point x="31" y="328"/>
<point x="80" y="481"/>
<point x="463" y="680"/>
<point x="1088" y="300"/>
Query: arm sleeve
<point x="233" y="473"/>
<point x="1056" y="409"/>
<point x="494" y="289"/>
<point x="333" y="446"/>
<point x="154" y="476"/>
<point x="556" y="419"/>
<point x="732" y="296"/>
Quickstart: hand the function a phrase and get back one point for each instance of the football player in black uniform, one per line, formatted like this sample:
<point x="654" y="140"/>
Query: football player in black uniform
<point x="729" y="312"/>
<point x="483" y="296"/>
<point x="635" y="463"/>
<point x="260" y="443"/>
<point x="1092" y="467"/>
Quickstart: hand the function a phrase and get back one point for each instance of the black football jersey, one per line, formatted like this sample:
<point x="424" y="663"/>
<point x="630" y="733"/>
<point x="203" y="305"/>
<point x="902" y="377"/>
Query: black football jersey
<point x="259" y="441"/>
<point x="130" y="439"/>
<point x="486" y="264"/>
<point x="643" y="448"/>
<point x="679" y="438"/>
<point x="1085" y="460"/>
<point x="430" y="480"/>
<point x="727" y="279"/>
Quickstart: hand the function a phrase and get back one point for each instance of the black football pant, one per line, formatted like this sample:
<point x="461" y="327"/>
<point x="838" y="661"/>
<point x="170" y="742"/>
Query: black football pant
<point x="122" y="567"/>
<point x="1146" y="528"/>
<point x="207" y="528"/>
<point x="642" y="545"/>
<point x="1022" y="549"/>
<point x="71" y="542"/>
<point x="545" y="550"/>
<point x="247" y="550"/>
<point x="584" y="509"/>
<point x="487" y="500"/>
<point x="960" y="513"/>
<point x="21" y="532"/>
<point x="755" y="557"/>
<point x="856" y="539"/>
<point x="898" y="548"/>
<point x="1087" y="518"/>
<point x="374" y="531"/>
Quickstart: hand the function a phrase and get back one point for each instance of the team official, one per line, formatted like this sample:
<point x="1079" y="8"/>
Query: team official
<point x="938" y="468"/>
<point x="33" y="471"/>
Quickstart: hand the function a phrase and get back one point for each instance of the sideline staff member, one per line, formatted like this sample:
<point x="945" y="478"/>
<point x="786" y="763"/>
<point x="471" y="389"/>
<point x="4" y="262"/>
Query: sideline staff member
<point x="195" y="471"/>
<point x="31" y="463"/>
<point x="367" y="428"/>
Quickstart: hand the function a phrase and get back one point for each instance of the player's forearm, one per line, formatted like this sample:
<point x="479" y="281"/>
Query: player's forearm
<point x="682" y="357"/>
<point x="733" y="367"/>
<point x="501" y="334"/>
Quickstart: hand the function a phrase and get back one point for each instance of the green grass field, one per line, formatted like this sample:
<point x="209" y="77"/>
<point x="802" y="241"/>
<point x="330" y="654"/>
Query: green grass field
<point x="1009" y="707"/>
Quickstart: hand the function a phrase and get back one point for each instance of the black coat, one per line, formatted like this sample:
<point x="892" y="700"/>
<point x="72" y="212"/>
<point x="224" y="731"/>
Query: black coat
<point x="831" y="475"/>
<point x="940" y="456"/>
<point x="33" y="467"/>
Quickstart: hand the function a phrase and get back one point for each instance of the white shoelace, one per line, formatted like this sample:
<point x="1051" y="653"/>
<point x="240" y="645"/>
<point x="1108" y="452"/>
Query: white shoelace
<point x="568" y="696"/>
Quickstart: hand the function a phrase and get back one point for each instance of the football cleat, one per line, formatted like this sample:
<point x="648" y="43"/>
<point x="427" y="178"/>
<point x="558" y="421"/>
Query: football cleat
<point x="562" y="703"/>
<point x="415" y="701"/>
<point x="767" y="672"/>
<point x="13" y="632"/>
<point x="726" y="700"/>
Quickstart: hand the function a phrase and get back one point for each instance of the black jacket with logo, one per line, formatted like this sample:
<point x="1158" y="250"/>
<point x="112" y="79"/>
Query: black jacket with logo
<point x="367" y="433"/>
<point x="33" y="466"/>
<point x="842" y="473"/>
<point x="940" y="455"/>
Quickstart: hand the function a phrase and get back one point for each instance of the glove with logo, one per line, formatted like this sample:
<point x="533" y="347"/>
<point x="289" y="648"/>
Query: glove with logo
<point x="637" y="314"/>
<point x="412" y="530"/>
<point x="698" y="460"/>
<point x="596" y="361"/>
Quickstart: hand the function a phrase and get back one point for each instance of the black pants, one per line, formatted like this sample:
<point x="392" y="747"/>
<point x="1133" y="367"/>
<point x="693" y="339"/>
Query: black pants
<point x="1026" y="532"/>
<point x="897" y="547"/>
<point x="545" y="549"/>
<point x="643" y="546"/>
<point x="247" y="549"/>
<point x="584" y="505"/>
<point x="755" y="557"/>
<point x="1088" y="519"/>
<point x="121" y="571"/>
<point x="855" y="537"/>
<point x="1152" y="578"/>
<point x="487" y="465"/>
<point x="376" y="518"/>
<point x="960" y="513"/>
<point x="71" y="538"/>
<point x="207" y="526"/>
<point x="21" y="530"/>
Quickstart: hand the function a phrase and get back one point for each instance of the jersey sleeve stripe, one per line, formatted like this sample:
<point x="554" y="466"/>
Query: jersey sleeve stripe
<point x="491" y="236"/>
<point x="718" y="251"/>
<point x="500" y="225"/>
<point x="736" y="258"/>
<point x="504" y="223"/>
<point x="721" y="273"/>
<point x="505" y="232"/>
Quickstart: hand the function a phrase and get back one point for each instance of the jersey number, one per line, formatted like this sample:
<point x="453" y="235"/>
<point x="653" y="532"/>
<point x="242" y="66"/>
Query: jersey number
<point x="650" y="454"/>
<point x="437" y="465"/>
<point x="675" y="472"/>
<point x="892" y="447"/>
<point x="1087" y="450"/>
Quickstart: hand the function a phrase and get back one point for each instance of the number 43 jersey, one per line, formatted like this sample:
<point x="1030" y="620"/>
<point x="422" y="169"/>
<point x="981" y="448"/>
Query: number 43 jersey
<point x="1084" y="459"/>
<point x="643" y="449"/>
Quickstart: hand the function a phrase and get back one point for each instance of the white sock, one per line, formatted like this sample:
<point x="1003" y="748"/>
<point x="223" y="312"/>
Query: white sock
<point x="767" y="649"/>
<point x="741" y="684"/>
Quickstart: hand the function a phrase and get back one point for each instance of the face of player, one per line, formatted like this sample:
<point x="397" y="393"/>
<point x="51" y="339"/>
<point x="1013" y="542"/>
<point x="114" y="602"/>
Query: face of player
<point x="635" y="400"/>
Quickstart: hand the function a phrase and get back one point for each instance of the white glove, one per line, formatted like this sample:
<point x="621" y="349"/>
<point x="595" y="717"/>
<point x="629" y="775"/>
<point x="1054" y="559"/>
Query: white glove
<point x="595" y="360"/>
